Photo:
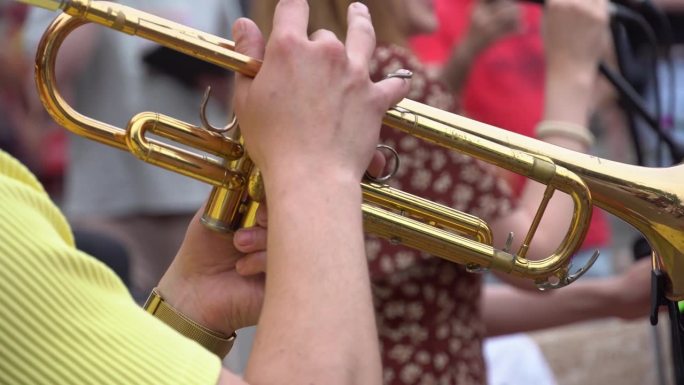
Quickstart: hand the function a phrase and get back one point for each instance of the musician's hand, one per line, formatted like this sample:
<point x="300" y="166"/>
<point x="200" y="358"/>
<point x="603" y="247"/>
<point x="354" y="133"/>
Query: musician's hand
<point x="202" y="281"/>
<point x="312" y="110"/>
<point x="253" y="245"/>
<point x="490" y="21"/>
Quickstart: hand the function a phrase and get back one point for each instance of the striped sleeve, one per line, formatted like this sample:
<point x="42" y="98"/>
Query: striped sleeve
<point x="65" y="318"/>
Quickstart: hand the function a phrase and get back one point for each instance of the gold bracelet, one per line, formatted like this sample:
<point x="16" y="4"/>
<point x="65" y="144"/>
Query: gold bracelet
<point x="215" y="342"/>
<point x="565" y="129"/>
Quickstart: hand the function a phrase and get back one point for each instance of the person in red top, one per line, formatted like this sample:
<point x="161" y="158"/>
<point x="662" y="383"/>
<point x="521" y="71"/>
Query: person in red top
<point x="513" y="64"/>
<point x="503" y="41"/>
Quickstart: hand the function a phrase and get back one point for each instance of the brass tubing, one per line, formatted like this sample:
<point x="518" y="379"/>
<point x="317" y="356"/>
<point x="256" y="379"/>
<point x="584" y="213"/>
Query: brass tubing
<point x="179" y="160"/>
<point x="427" y="234"/>
<point x="53" y="101"/>
<point x="426" y="211"/>
<point x="650" y="199"/>
<point x="524" y="247"/>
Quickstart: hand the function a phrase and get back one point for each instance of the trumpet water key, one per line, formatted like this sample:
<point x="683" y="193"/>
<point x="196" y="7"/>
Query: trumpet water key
<point x="222" y="162"/>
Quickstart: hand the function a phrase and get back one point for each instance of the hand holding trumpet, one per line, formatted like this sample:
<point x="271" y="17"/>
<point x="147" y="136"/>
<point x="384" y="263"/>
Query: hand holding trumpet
<point x="328" y="145"/>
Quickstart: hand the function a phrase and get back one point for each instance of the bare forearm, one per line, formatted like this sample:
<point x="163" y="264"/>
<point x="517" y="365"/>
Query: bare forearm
<point x="455" y="71"/>
<point x="506" y="310"/>
<point x="323" y="321"/>
<point x="489" y="21"/>
<point x="568" y="94"/>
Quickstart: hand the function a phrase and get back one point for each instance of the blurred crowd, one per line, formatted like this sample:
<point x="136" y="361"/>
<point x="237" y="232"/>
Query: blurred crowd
<point x="25" y="129"/>
<point x="486" y="56"/>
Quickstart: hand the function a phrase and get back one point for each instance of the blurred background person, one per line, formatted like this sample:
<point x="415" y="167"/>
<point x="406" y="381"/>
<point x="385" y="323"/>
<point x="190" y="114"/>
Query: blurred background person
<point x="12" y="71"/>
<point x="504" y="83"/>
<point x="22" y="127"/>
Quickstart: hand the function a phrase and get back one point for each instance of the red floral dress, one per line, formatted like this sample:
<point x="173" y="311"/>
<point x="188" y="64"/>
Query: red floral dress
<point x="427" y="309"/>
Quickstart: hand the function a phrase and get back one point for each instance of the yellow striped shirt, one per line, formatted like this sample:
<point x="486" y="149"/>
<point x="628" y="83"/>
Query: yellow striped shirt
<point x="66" y="318"/>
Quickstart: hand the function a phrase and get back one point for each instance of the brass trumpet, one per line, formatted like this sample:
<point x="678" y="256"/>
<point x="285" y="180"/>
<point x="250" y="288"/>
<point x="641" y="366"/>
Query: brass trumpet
<point x="393" y="214"/>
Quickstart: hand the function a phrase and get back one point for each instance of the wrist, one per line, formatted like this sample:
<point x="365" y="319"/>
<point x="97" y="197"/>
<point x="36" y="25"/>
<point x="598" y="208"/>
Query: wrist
<point x="310" y="182"/>
<point x="216" y="342"/>
<point x="568" y="98"/>
<point x="301" y="200"/>
<point x="178" y="292"/>
<point x="563" y="74"/>
<point x="565" y="134"/>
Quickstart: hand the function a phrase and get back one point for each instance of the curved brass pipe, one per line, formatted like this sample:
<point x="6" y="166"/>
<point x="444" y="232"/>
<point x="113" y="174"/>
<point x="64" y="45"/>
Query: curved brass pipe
<point x="59" y="109"/>
<point x="401" y="217"/>
<point x="649" y="199"/>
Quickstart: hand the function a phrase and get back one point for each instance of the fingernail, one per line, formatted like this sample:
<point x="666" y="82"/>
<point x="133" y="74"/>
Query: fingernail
<point x="360" y="6"/>
<point x="239" y="29"/>
<point x="244" y="237"/>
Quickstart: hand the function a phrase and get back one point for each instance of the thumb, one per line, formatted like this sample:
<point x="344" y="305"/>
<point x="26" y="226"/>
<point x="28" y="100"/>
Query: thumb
<point x="394" y="88"/>
<point x="250" y="42"/>
<point x="248" y="38"/>
<point x="377" y="164"/>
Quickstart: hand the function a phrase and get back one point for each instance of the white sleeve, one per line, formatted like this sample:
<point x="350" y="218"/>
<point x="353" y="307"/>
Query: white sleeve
<point x="516" y="359"/>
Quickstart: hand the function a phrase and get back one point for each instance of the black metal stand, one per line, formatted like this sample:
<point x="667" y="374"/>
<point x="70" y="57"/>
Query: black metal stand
<point x="635" y="109"/>
<point x="658" y="299"/>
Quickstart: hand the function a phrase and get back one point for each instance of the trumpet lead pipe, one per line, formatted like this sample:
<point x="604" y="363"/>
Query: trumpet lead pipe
<point x="52" y="5"/>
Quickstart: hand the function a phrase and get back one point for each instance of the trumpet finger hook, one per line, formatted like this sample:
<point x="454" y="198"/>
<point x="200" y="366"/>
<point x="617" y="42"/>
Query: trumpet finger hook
<point x="393" y="172"/>
<point x="570" y="278"/>
<point x="205" y="121"/>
